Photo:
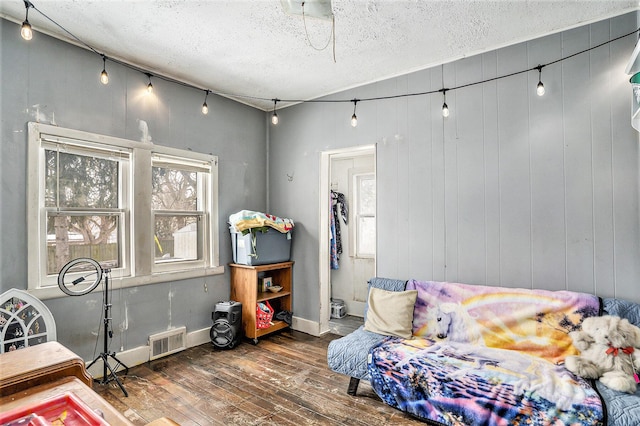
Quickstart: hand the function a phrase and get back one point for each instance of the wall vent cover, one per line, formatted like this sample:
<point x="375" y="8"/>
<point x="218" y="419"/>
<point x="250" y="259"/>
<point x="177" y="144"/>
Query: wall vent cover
<point x="167" y="342"/>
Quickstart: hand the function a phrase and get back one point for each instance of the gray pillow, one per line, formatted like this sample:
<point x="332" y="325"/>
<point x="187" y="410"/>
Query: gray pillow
<point x="623" y="309"/>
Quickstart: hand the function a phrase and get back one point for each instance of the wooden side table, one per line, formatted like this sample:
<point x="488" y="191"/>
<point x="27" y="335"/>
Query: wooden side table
<point x="244" y="289"/>
<point x="35" y="365"/>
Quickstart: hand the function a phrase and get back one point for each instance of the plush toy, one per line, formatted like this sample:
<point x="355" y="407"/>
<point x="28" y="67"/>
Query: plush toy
<point x="609" y="350"/>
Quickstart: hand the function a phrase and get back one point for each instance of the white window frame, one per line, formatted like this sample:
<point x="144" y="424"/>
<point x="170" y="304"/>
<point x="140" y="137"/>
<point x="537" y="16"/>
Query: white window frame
<point x="172" y="157"/>
<point x="73" y="146"/>
<point x="138" y="265"/>
<point x="355" y="176"/>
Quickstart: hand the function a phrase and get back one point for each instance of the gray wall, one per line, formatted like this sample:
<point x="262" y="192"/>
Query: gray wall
<point x="512" y="189"/>
<point x="63" y="80"/>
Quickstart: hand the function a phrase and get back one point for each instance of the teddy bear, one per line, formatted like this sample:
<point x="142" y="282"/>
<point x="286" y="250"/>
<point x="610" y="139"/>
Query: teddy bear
<point x="609" y="350"/>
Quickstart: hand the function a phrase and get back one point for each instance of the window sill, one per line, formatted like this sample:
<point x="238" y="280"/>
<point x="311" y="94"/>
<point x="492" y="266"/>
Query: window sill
<point x="53" y="292"/>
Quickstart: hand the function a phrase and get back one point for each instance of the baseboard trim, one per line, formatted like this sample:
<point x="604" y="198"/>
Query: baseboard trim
<point x="198" y="337"/>
<point x="306" y="326"/>
<point x="141" y="354"/>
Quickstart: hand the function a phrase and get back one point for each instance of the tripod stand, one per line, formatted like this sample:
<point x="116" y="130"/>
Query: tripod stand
<point x="108" y="373"/>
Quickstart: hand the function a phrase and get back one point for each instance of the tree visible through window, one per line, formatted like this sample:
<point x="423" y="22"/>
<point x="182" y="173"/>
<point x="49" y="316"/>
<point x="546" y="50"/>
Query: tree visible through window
<point x="174" y="199"/>
<point x="82" y="199"/>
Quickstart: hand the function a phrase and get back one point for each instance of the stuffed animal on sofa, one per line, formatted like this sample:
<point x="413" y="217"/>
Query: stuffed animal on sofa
<point x="609" y="350"/>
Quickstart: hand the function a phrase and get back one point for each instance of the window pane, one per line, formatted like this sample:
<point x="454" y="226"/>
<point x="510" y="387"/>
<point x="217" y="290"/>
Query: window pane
<point x="75" y="180"/>
<point x="177" y="238"/>
<point x="174" y="189"/>
<point x="366" y="235"/>
<point x="73" y="236"/>
<point x="367" y="195"/>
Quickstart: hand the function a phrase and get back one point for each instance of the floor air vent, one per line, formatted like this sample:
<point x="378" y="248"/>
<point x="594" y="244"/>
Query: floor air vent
<point x="167" y="342"/>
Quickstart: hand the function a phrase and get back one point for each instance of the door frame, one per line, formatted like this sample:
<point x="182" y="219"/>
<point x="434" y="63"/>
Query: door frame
<point x="325" y="186"/>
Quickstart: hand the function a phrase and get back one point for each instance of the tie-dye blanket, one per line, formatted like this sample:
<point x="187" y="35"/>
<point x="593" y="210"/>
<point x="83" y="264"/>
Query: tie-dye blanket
<point x="457" y="372"/>
<point x="247" y="219"/>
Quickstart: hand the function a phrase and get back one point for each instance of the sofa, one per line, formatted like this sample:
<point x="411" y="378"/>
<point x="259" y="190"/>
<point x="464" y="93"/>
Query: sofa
<point x="471" y="354"/>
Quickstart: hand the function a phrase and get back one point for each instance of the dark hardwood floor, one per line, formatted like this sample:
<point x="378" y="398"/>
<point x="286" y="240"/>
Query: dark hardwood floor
<point x="283" y="380"/>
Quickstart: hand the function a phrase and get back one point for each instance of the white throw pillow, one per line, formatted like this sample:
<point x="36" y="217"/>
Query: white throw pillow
<point x="391" y="312"/>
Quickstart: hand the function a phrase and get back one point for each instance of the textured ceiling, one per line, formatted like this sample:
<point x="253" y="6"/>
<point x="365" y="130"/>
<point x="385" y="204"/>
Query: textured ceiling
<point x="254" y="48"/>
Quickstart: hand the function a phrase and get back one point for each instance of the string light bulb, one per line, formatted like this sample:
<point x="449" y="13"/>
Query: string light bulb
<point x="274" y="116"/>
<point x="205" y="107"/>
<point x="445" y="107"/>
<point x="104" y="77"/>
<point x="540" y="88"/>
<point x="149" y="86"/>
<point x="26" y="31"/>
<point x="354" y="118"/>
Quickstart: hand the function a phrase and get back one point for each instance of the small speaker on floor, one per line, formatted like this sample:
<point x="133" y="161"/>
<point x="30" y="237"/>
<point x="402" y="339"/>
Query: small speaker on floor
<point x="227" y="324"/>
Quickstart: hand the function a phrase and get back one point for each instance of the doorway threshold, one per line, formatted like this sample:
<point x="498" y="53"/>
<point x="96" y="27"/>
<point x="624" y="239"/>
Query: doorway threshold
<point x="346" y="325"/>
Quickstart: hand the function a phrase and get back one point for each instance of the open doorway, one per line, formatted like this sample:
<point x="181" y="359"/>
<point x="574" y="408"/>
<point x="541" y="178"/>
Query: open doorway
<point x="347" y="233"/>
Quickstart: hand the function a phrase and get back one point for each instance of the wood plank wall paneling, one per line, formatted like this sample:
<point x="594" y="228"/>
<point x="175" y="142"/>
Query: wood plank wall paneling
<point x="515" y="169"/>
<point x="547" y="167"/>
<point x="625" y="180"/>
<point x="420" y="191"/>
<point x="491" y="172"/>
<point x="577" y="163"/>
<point x="602" y="148"/>
<point x="470" y="201"/>
<point x="514" y="189"/>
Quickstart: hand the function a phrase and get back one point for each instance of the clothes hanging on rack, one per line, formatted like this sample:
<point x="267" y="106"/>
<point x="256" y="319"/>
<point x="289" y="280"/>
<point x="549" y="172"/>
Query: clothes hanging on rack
<point x="338" y="208"/>
<point x="333" y="246"/>
<point x="339" y="199"/>
<point x="339" y="205"/>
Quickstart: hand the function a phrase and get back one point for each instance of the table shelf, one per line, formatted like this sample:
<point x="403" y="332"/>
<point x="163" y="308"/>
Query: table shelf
<point x="244" y="289"/>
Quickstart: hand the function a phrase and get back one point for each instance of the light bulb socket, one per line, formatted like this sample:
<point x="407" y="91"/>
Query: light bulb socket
<point x="445" y="107"/>
<point x="26" y="31"/>
<point x="205" y="107"/>
<point x="149" y="86"/>
<point x="540" y="87"/>
<point x="274" y="116"/>
<point x="104" y="77"/>
<point x="354" y="118"/>
<point x="445" y="110"/>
